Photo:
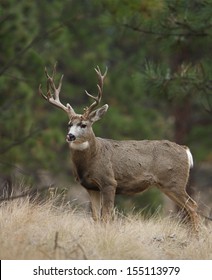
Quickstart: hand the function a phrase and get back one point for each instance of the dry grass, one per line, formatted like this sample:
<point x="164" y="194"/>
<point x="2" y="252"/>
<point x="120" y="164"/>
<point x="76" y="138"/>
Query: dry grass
<point x="43" y="231"/>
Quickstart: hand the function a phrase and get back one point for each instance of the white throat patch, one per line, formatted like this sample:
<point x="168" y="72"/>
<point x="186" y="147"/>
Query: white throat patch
<point x="79" y="146"/>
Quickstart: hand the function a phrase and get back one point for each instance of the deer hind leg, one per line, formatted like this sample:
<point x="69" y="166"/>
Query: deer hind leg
<point x="184" y="201"/>
<point x="95" y="198"/>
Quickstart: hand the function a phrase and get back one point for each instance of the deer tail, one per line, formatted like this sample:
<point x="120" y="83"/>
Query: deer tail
<point x="190" y="157"/>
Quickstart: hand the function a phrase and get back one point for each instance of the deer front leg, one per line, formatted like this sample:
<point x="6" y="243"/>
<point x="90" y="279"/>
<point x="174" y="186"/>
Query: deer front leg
<point x="108" y="197"/>
<point x="95" y="198"/>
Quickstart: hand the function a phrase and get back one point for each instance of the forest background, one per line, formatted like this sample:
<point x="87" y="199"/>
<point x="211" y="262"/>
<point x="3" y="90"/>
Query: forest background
<point x="158" y="86"/>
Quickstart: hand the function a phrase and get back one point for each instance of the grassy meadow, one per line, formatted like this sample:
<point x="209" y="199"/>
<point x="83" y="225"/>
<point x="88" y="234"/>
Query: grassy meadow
<point x="32" y="230"/>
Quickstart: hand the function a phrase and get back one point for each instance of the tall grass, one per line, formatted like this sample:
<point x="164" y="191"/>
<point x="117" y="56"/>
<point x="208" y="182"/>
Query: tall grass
<point x="32" y="230"/>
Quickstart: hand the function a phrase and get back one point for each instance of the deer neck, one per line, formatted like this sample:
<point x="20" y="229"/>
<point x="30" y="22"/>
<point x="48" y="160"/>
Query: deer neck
<point x="80" y="146"/>
<point x="82" y="154"/>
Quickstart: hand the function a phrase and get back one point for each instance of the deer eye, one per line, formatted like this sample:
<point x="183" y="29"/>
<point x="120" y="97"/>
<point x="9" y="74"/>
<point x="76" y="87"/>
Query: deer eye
<point x="83" y="125"/>
<point x="70" y="125"/>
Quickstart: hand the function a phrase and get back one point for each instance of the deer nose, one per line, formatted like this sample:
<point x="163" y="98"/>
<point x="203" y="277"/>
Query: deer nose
<point x="71" y="137"/>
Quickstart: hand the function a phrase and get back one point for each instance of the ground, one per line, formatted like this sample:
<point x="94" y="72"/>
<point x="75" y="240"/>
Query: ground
<point x="32" y="230"/>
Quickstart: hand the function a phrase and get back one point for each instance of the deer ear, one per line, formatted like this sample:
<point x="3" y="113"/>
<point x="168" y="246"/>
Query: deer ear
<point x="97" y="114"/>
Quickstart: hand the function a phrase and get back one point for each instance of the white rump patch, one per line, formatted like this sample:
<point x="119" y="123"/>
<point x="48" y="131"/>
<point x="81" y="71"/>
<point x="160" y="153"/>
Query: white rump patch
<point x="79" y="146"/>
<point x="190" y="158"/>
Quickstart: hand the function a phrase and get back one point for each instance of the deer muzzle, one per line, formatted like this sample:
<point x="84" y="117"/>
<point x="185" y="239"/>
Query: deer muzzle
<point x="70" y="137"/>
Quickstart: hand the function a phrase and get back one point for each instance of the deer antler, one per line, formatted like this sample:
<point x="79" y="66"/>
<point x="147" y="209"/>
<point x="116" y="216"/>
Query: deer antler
<point x="53" y="93"/>
<point x="97" y="99"/>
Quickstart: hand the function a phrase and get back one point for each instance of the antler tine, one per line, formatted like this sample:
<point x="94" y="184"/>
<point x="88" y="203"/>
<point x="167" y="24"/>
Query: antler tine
<point x="97" y="99"/>
<point x="41" y="92"/>
<point x="99" y="73"/>
<point x="53" y="92"/>
<point x="53" y="71"/>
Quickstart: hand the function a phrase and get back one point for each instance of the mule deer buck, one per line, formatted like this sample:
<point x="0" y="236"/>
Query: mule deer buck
<point x="107" y="167"/>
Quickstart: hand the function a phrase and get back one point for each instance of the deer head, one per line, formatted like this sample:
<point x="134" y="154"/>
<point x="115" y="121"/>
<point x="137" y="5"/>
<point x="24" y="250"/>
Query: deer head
<point x="80" y="125"/>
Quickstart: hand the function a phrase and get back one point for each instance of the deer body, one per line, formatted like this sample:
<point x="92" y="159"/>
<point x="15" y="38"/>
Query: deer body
<point x="133" y="165"/>
<point x="128" y="167"/>
<point x="106" y="167"/>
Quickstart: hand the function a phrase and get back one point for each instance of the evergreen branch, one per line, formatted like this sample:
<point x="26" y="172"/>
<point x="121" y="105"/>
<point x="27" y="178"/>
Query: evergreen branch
<point x="187" y="33"/>
<point x="209" y="103"/>
<point x="21" y="79"/>
<point x="5" y="18"/>
<point x="34" y="41"/>
<point x="18" y="142"/>
<point x="6" y="105"/>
